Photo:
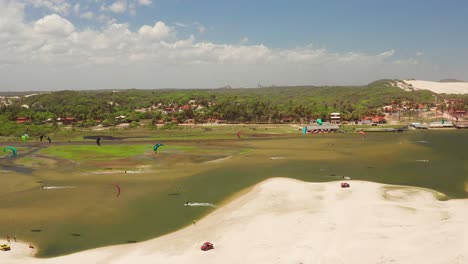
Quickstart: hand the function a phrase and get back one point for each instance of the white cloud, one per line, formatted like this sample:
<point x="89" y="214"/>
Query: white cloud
<point x="87" y="15"/>
<point x="244" y="40"/>
<point x="145" y="2"/>
<point x="103" y="18"/>
<point x="180" y="24"/>
<point x="387" y="54"/>
<point x="11" y="17"/>
<point x="58" y="6"/>
<point x="409" y="61"/>
<point x="54" y="25"/>
<point x="115" y="56"/>
<point x="158" y="31"/>
<point x="419" y="53"/>
<point x="118" y="7"/>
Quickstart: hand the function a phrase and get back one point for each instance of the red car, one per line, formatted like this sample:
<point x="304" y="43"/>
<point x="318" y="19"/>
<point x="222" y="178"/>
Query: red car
<point x="207" y="246"/>
<point x="344" y="185"/>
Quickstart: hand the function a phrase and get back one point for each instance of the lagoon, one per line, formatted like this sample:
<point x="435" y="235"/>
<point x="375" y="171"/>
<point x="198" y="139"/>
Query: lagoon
<point x="62" y="221"/>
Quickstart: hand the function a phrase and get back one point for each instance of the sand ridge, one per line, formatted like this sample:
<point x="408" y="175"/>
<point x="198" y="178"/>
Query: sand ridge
<point x="439" y="87"/>
<point x="289" y="221"/>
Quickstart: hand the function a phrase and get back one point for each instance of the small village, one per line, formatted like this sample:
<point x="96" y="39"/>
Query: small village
<point x="442" y="115"/>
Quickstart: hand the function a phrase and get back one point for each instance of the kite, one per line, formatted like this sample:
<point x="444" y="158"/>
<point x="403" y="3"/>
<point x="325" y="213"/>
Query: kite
<point x="155" y="148"/>
<point x="13" y="150"/>
<point x="24" y="138"/>
<point x="118" y="189"/>
<point x="98" y="141"/>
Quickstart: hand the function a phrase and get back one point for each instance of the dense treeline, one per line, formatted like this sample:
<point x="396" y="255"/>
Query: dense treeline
<point x="233" y="105"/>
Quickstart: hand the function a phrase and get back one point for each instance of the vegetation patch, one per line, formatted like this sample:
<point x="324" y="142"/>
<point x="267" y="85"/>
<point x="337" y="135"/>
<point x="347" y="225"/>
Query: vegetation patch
<point x="90" y="152"/>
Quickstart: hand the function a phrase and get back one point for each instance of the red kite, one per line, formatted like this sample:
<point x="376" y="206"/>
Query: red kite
<point x="118" y="189"/>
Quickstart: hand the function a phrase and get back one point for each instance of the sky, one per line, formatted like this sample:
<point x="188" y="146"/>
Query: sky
<point x="152" y="44"/>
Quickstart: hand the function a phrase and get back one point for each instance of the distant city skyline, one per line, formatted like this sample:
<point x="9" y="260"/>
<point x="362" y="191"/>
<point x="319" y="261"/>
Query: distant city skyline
<point x="151" y="44"/>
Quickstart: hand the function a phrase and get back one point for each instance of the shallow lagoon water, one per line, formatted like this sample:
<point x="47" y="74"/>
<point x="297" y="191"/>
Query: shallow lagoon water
<point x="152" y="204"/>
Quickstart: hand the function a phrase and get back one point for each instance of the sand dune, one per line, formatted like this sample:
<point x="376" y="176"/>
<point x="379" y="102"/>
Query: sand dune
<point x="288" y="221"/>
<point x="440" y="87"/>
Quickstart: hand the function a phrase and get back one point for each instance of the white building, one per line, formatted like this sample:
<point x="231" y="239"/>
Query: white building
<point x="335" y="117"/>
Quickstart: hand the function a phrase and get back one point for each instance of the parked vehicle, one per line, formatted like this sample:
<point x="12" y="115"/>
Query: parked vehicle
<point x="207" y="246"/>
<point x="5" y="247"/>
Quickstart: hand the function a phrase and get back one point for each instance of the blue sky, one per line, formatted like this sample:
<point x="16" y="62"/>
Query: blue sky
<point x="320" y="42"/>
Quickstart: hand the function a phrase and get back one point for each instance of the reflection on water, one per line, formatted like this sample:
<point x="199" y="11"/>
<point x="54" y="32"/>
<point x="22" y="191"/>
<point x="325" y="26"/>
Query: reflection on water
<point x="15" y="168"/>
<point x="151" y="204"/>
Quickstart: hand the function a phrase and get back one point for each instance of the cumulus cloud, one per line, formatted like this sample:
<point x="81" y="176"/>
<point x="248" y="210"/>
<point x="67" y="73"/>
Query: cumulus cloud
<point x="11" y="17"/>
<point x="54" y="25"/>
<point x="118" y="7"/>
<point x="158" y="31"/>
<point x="118" y="56"/>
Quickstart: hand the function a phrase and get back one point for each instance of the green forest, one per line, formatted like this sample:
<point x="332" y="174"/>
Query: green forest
<point x="233" y="105"/>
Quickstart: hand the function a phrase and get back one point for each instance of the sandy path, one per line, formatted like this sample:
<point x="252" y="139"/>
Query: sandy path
<point x="288" y="221"/>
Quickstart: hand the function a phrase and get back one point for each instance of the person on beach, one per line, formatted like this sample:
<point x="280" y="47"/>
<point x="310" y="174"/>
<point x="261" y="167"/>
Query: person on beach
<point x="8" y="238"/>
<point x="194" y="221"/>
<point x="31" y="246"/>
<point x="14" y="238"/>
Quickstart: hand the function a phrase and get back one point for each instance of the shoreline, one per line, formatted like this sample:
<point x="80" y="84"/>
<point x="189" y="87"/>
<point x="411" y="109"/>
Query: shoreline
<point x="284" y="220"/>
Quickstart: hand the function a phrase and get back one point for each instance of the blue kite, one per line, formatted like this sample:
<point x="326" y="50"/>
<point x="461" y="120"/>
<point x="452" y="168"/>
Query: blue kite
<point x="155" y="148"/>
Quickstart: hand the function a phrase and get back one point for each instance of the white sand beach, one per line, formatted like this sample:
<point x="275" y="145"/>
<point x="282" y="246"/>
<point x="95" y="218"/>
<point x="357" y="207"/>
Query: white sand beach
<point x="440" y="87"/>
<point x="289" y="221"/>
